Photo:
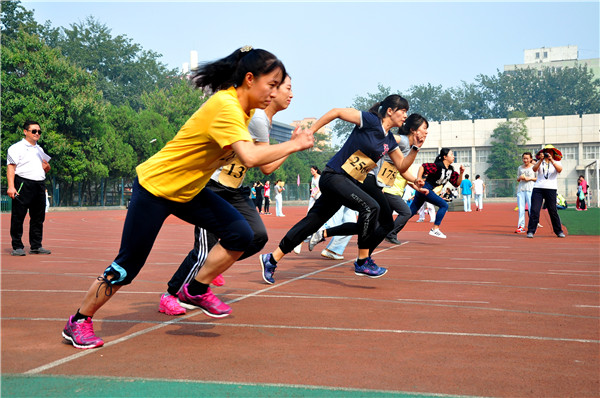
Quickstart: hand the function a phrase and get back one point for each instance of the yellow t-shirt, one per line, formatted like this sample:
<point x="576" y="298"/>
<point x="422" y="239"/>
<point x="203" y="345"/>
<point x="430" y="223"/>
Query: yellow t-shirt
<point x="181" y="169"/>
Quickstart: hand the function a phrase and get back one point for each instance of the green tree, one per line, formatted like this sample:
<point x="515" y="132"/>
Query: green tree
<point x="176" y="103"/>
<point x="125" y="69"/>
<point x="508" y="140"/>
<point x="39" y="84"/>
<point x="343" y="129"/>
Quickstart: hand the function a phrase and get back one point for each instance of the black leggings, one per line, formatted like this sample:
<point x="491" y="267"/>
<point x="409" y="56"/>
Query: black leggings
<point x="337" y="190"/>
<point x="385" y="217"/>
<point x="204" y="240"/>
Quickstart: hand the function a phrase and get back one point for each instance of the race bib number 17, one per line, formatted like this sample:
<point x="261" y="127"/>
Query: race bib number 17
<point x="387" y="174"/>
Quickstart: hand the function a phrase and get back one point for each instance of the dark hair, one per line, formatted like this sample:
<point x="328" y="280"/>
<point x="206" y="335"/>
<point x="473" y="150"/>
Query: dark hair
<point x="231" y="70"/>
<point x="316" y="169"/>
<point x="477" y="176"/>
<point x="413" y="122"/>
<point x="466" y="176"/>
<point x="527" y="153"/>
<point x="393" y="101"/>
<point x="443" y="153"/>
<point x="29" y="123"/>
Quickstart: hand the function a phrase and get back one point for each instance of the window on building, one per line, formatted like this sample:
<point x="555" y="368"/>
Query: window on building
<point x="545" y="54"/>
<point x="569" y="152"/>
<point x="426" y="156"/>
<point x="591" y="152"/>
<point x="482" y="155"/>
<point x="462" y="155"/>
<point x="537" y="55"/>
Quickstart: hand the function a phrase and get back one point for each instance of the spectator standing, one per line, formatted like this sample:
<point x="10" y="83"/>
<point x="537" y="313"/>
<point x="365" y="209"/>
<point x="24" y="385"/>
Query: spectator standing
<point x="279" y="188"/>
<point x="259" y="196"/>
<point x="267" y="198"/>
<point x="526" y="178"/>
<point x="582" y="190"/>
<point x="26" y="168"/>
<point x="548" y="167"/>
<point x="465" y="189"/>
<point x="479" y="189"/>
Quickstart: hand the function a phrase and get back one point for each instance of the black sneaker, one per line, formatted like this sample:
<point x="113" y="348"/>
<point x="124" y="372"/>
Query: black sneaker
<point x="394" y="241"/>
<point x="39" y="250"/>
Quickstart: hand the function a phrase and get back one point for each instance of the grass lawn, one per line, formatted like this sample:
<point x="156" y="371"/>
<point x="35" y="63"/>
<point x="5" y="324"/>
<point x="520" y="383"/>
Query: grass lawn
<point x="581" y="222"/>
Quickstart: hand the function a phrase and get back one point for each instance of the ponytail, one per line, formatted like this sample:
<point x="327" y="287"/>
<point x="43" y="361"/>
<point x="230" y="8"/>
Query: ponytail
<point x="231" y="70"/>
<point x="443" y="153"/>
<point x="412" y="123"/>
<point x="393" y="101"/>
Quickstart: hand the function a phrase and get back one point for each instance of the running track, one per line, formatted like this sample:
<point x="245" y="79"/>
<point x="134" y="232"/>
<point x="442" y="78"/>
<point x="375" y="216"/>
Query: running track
<point x="485" y="312"/>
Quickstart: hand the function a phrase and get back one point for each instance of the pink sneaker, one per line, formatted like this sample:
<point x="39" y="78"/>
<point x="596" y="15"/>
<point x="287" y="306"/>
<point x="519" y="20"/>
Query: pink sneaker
<point x="170" y="306"/>
<point x="207" y="302"/>
<point x="218" y="281"/>
<point x="81" y="334"/>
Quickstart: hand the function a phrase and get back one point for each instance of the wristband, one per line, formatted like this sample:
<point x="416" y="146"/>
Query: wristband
<point x="416" y="148"/>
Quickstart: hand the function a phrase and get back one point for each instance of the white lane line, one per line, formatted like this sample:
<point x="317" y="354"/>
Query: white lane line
<point x="587" y="306"/>
<point x="444" y="301"/>
<point x="571" y="270"/>
<point x="577" y="284"/>
<point x="180" y="319"/>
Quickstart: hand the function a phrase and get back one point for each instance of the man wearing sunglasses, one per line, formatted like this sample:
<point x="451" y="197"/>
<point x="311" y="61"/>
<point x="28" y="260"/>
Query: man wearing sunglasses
<point x="27" y="165"/>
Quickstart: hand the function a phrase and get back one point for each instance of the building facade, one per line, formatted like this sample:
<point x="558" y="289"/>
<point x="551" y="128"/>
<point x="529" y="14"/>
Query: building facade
<point x="577" y="137"/>
<point x="556" y="58"/>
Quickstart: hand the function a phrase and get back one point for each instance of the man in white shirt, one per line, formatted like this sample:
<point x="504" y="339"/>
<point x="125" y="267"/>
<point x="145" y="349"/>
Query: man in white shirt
<point x="26" y="169"/>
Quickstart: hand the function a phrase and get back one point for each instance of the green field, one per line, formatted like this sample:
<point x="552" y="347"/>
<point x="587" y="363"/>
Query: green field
<point x="581" y="222"/>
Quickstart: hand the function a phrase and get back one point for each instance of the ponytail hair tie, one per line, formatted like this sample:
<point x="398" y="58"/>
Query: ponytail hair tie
<point x="379" y="109"/>
<point x="245" y="49"/>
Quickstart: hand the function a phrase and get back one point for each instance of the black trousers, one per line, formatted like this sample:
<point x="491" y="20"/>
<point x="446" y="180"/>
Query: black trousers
<point x="539" y="195"/>
<point x="32" y="198"/>
<point x="337" y="190"/>
<point x="204" y="240"/>
<point x="404" y="214"/>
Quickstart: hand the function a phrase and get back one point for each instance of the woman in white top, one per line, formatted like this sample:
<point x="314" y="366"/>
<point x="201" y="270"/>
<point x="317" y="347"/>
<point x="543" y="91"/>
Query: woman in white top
<point x="548" y="167"/>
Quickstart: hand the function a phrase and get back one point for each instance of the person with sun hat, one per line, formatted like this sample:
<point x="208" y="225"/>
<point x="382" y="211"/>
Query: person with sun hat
<point x="547" y="167"/>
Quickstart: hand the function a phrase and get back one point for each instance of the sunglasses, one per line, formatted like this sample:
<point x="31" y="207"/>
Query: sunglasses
<point x="34" y="131"/>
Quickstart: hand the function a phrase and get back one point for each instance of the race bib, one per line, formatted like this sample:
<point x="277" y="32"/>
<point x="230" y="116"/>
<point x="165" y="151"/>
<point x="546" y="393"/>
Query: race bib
<point x="232" y="175"/>
<point x="358" y="166"/>
<point x="387" y="174"/>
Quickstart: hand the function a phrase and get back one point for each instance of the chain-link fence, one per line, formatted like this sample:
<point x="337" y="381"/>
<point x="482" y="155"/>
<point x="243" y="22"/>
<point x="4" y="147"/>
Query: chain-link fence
<point x="117" y="192"/>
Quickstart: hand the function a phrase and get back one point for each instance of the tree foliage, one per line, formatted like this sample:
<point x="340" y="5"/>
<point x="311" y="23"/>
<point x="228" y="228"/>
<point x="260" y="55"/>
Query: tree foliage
<point x="508" y="140"/>
<point x="126" y="71"/>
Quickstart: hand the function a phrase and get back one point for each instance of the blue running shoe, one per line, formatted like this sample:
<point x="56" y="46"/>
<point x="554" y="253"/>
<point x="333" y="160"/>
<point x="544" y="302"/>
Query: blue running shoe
<point x="370" y="269"/>
<point x="268" y="269"/>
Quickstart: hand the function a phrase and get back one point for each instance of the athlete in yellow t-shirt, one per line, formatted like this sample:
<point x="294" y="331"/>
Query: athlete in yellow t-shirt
<point x="172" y="182"/>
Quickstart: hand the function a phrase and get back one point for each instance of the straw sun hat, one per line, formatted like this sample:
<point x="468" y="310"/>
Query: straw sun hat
<point x="556" y="154"/>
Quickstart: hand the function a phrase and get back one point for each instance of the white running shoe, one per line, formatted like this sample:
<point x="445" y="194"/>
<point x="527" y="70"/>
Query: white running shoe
<point x="332" y="255"/>
<point x="316" y="238"/>
<point x="437" y="233"/>
<point x="421" y="220"/>
<point x="298" y="248"/>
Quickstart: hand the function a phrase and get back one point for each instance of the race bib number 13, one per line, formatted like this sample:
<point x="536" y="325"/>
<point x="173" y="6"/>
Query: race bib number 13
<point x="358" y="166"/>
<point x="232" y="175"/>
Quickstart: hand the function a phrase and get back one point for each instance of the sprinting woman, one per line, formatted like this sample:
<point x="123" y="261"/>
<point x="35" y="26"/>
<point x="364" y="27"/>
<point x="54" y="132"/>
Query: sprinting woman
<point x="172" y="182"/>
<point x="227" y="183"/>
<point x="347" y="181"/>
<point x="437" y="174"/>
